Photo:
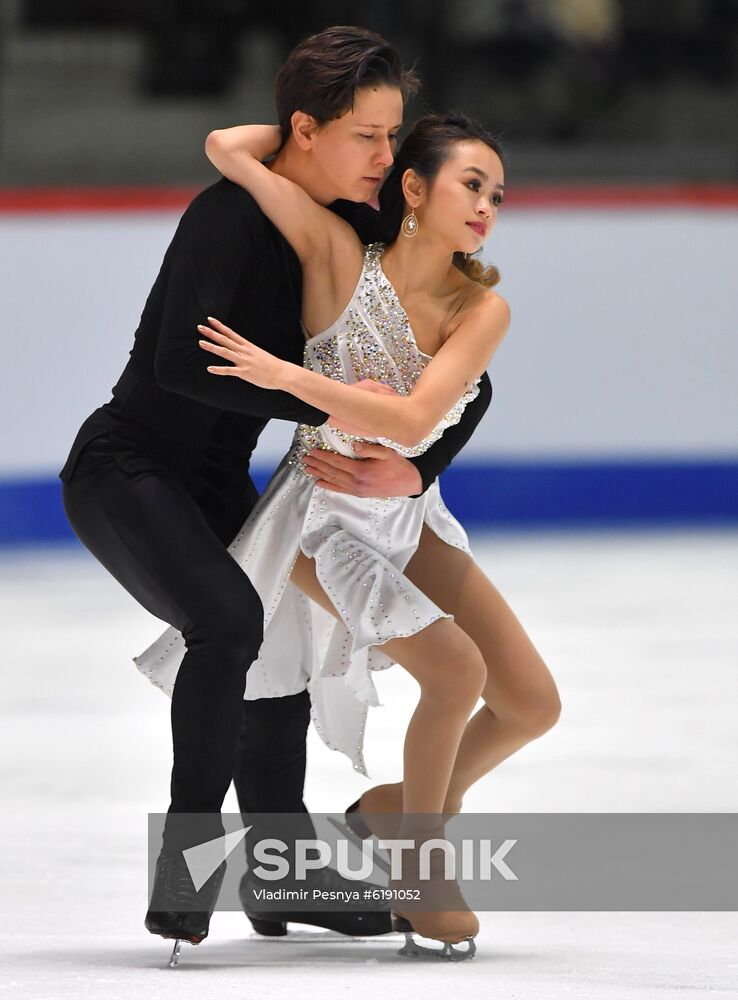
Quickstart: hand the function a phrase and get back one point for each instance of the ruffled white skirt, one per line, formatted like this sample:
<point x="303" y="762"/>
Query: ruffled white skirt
<point x="360" y="547"/>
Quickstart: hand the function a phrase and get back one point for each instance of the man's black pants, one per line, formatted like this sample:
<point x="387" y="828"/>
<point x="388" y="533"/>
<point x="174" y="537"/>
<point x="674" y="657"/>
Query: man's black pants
<point x="169" y="552"/>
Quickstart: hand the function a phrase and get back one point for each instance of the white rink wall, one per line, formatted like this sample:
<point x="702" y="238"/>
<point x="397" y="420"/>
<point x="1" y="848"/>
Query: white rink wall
<point x="623" y="342"/>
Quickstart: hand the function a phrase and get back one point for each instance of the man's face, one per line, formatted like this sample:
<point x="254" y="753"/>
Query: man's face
<point x="354" y="152"/>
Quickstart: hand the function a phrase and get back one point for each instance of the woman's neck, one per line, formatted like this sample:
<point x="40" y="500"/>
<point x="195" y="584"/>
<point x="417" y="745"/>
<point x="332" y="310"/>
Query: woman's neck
<point x="419" y="265"/>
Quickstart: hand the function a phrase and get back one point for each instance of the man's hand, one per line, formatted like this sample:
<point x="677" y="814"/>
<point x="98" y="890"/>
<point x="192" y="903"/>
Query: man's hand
<point x="375" y="472"/>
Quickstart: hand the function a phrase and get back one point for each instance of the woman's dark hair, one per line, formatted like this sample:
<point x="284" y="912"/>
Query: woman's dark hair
<point x="425" y="150"/>
<point x="323" y="73"/>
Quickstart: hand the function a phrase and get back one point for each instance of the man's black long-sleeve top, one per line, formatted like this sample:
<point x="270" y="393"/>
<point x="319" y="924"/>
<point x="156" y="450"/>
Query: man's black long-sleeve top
<point x="226" y="260"/>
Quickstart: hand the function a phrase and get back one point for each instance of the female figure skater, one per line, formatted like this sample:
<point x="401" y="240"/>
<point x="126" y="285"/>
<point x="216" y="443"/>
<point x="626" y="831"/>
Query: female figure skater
<point x="416" y="325"/>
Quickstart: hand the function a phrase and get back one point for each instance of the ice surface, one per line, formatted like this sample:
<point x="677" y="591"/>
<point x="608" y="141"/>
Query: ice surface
<point x="641" y="634"/>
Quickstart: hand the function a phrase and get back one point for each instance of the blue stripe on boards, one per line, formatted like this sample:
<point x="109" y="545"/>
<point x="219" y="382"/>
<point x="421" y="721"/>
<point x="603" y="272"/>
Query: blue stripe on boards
<point x="533" y="494"/>
<point x="521" y="495"/>
<point x="31" y="510"/>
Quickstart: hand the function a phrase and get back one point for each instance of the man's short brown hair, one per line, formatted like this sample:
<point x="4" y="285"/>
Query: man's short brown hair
<point x="323" y="73"/>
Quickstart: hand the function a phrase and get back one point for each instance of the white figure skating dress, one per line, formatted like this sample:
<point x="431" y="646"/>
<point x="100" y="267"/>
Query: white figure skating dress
<point x="360" y="546"/>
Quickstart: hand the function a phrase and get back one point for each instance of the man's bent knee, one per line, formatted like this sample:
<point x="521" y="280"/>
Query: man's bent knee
<point x="235" y="629"/>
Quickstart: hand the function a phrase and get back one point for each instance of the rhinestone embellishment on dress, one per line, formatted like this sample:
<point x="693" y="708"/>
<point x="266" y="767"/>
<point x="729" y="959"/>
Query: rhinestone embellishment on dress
<point x="372" y="339"/>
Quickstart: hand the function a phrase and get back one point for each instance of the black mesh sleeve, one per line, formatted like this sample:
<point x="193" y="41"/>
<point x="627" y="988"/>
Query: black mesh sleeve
<point x="439" y="456"/>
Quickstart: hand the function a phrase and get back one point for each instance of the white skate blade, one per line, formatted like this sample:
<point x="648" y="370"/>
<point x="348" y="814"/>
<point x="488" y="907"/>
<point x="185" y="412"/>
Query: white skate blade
<point x="445" y="951"/>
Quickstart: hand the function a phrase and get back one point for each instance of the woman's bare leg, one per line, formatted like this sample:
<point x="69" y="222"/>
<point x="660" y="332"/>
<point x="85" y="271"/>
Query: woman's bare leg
<point x="451" y="674"/>
<point x="521" y="700"/>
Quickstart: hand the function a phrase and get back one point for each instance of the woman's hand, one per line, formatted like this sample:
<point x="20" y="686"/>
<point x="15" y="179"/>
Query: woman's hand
<point x="248" y="362"/>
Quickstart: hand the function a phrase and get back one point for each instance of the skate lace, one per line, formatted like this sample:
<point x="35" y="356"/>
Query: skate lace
<point x="175" y="883"/>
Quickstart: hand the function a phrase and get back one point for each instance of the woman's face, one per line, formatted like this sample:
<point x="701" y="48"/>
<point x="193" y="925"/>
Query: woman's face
<point x="460" y="208"/>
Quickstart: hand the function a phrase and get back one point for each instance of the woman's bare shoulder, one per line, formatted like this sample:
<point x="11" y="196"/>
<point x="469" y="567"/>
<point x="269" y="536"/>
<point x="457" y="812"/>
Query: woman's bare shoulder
<point x="483" y="306"/>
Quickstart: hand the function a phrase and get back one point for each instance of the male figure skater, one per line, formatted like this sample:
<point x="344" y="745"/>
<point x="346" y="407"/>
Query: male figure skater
<point x="157" y="484"/>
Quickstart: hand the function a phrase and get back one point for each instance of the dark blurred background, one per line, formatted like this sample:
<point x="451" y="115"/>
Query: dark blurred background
<point x="124" y="91"/>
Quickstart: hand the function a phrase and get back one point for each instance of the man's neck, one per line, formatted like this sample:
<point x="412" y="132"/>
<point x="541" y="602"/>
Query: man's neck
<point x="296" y="166"/>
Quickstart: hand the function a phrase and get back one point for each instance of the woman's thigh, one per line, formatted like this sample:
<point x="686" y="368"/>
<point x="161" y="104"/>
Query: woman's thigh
<point x="439" y="656"/>
<point x="518" y="680"/>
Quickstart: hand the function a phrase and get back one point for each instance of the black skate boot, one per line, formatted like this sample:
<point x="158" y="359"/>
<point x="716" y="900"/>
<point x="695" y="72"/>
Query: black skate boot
<point x="177" y="911"/>
<point x="356" y="923"/>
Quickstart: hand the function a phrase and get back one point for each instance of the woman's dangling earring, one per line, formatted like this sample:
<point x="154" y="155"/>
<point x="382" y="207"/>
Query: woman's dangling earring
<point x="409" y="225"/>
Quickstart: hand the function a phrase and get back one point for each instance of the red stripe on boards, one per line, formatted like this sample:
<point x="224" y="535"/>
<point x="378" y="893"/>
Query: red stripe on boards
<point x="82" y="200"/>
